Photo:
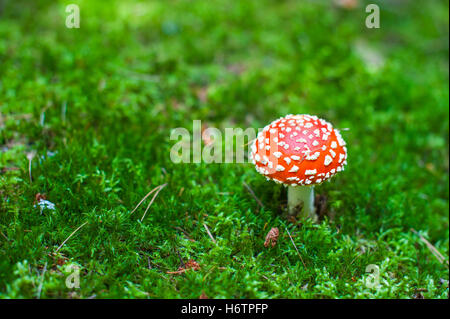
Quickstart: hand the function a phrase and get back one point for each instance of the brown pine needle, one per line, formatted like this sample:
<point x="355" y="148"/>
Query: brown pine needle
<point x="42" y="282"/>
<point x="253" y="194"/>
<point x="143" y="199"/>
<point x="209" y="234"/>
<point x="296" y="248"/>
<point x="30" y="157"/>
<point x="60" y="246"/>
<point x="160" y="187"/>
<point x="433" y="249"/>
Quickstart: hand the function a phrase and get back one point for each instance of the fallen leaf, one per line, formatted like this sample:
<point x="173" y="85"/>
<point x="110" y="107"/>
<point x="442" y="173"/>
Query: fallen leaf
<point x="191" y="264"/>
<point x="272" y="237"/>
<point x="203" y="296"/>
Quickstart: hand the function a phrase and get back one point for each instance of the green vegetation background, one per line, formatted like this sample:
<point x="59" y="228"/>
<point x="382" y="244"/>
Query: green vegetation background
<point x="97" y="105"/>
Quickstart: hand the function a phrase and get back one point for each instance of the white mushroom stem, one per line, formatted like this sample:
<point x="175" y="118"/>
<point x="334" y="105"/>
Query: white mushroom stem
<point x="301" y="201"/>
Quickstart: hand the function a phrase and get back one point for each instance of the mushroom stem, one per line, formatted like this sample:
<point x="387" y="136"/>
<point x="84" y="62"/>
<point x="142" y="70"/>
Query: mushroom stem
<point x="301" y="201"/>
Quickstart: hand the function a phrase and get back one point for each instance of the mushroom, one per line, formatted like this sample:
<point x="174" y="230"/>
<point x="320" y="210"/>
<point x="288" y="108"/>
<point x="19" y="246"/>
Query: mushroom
<point x="299" y="151"/>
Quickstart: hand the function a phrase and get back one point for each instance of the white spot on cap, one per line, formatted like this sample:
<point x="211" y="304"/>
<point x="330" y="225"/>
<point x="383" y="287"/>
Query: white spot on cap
<point x="329" y="127"/>
<point x="341" y="157"/>
<point x="287" y="160"/>
<point x="313" y="157"/>
<point x="328" y="160"/>
<point x="280" y="168"/>
<point x="277" y="154"/>
<point x="294" y="169"/>
<point x="333" y="153"/>
<point x="315" y="143"/>
<point x="310" y="172"/>
<point x="295" y="157"/>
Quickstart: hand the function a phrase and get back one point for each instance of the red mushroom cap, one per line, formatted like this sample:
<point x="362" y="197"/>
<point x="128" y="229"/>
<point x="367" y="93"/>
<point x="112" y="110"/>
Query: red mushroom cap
<point x="299" y="150"/>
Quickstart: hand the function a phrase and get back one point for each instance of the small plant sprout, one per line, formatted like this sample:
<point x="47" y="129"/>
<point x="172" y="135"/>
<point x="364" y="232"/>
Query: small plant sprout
<point x="43" y="203"/>
<point x="299" y="151"/>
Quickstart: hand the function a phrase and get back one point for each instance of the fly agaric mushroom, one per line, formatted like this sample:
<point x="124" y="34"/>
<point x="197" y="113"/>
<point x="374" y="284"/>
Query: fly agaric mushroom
<point x="299" y="151"/>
